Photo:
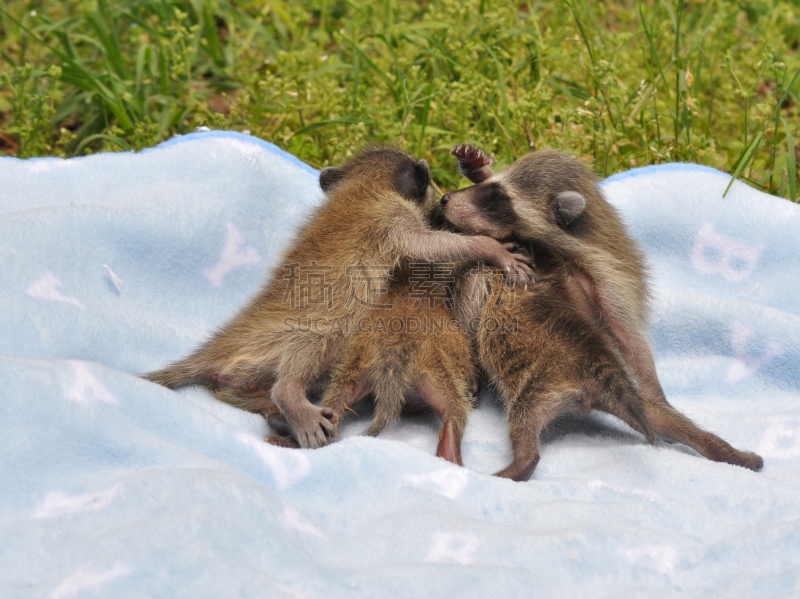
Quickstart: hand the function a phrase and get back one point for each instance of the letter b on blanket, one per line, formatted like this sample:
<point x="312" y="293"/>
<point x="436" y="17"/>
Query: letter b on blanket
<point x="715" y="253"/>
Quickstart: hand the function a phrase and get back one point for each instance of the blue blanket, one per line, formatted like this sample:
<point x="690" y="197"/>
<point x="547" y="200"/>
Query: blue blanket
<point x="111" y="486"/>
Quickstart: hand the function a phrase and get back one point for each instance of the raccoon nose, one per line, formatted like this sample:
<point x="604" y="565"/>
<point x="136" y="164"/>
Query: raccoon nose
<point x="445" y="199"/>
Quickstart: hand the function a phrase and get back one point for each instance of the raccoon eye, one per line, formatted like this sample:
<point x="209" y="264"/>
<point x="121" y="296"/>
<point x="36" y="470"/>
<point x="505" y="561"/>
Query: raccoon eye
<point x="498" y="196"/>
<point x="492" y="195"/>
<point x="496" y="206"/>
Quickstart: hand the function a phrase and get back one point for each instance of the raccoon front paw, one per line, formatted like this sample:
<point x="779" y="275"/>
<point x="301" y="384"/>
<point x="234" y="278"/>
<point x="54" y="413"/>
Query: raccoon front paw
<point x="514" y="266"/>
<point x="471" y="155"/>
<point x="312" y="426"/>
<point x="518" y="272"/>
<point x="521" y="257"/>
<point x="473" y="163"/>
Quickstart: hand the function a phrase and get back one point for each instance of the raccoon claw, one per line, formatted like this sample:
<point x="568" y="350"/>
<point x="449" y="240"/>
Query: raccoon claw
<point x="472" y="162"/>
<point x="313" y="427"/>
<point x="471" y="155"/>
<point x="519" y="273"/>
<point x="518" y="252"/>
<point x="519" y="270"/>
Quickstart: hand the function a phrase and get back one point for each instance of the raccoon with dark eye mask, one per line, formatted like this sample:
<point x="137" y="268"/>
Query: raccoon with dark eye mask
<point x="552" y="202"/>
<point x="376" y="214"/>
<point x="540" y="350"/>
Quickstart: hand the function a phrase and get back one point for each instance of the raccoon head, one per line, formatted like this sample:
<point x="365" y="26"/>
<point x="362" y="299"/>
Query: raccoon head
<point x="539" y="197"/>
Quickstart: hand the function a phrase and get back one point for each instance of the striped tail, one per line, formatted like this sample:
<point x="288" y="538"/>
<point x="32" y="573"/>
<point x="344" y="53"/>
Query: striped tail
<point x="189" y="371"/>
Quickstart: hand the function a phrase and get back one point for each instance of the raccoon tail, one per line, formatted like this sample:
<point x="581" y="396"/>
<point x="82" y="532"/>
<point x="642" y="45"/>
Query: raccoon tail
<point x="611" y="390"/>
<point x="389" y="402"/>
<point x="189" y="371"/>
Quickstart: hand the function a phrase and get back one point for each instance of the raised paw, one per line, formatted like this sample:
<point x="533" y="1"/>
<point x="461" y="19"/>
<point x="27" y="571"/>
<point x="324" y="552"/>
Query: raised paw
<point x="473" y="163"/>
<point x="471" y="155"/>
<point x="312" y="426"/>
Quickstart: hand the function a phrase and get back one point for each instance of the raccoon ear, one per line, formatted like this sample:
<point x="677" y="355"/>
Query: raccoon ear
<point x="329" y="177"/>
<point x="567" y="206"/>
<point x="413" y="182"/>
<point x="423" y="174"/>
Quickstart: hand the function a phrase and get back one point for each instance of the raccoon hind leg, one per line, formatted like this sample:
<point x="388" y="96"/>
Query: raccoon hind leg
<point x="351" y="382"/>
<point x="527" y="418"/>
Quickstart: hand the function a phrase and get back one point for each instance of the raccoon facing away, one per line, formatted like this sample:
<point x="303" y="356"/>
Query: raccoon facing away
<point x="549" y="200"/>
<point x="545" y="357"/>
<point x="409" y="353"/>
<point x="283" y="341"/>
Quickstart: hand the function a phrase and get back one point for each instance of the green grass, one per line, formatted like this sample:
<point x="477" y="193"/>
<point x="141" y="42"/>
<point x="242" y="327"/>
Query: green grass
<point x="622" y="85"/>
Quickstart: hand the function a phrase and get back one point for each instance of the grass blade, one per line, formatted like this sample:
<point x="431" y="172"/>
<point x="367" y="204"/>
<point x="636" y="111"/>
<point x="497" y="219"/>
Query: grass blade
<point x="110" y="46"/>
<point x="211" y="36"/>
<point x="744" y="160"/>
<point x="112" y="138"/>
<point x="141" y="60"/>
<point x="653" y="53"/>
<point x="378" y="71"/>
<point x="786" y="92"/>
<point x="108" y="96"/>
<point x="680" y="73"/>
<point x="790" y="164"/>
<point x="425" y="111"/>
<point x="582" y="31"/>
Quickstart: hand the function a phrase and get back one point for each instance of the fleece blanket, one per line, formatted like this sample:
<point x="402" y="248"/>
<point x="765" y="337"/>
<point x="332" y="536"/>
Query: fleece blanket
<point x="110" y="486"/>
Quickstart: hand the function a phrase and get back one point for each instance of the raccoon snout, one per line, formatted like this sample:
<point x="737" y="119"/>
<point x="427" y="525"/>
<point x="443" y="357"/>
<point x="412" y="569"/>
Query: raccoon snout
<point x="445" y="199"/>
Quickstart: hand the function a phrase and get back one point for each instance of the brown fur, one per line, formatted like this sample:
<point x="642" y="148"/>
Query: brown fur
<point x="549" y="200"/>
<point x="376" y="214"/>
<point x="545" y="357"/>
<point x="421" y="355"/>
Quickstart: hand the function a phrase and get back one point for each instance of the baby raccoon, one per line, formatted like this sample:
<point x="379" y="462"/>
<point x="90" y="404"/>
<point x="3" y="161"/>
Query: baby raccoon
<point x="376" y="214"/>
<point x="545" y="357"/>
<point x="411" y="351"/>
<point x="549" y="201"/>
